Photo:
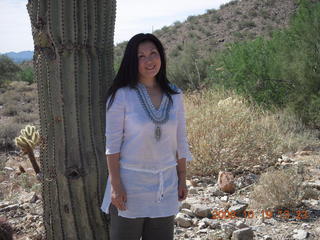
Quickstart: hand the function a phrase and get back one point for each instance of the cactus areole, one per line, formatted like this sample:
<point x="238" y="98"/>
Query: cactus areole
<point x="73" y="60"/>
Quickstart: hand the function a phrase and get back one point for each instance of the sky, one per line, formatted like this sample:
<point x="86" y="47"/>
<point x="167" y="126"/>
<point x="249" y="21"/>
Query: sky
<point x="132" y="16"/>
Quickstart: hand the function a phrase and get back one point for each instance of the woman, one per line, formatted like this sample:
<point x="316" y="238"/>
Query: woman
<point x="146" y="145"/>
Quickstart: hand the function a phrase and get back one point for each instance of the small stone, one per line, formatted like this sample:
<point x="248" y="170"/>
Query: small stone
<point x="226" y="182"/>
<point x="203" y="230"/>
<point x="195" y="221"/>
<point x="228" y="228"/>
<point x="243" y="234"/>
<point x="224" y="198"/>
<point x="238" y="209"/>
<point x="187" y="211"/>
<point x="10" y="169"/>
<point x="202" y="225"/>
<point x="200" y="210"/>
<point x="34" y="198"/>
<point x="9" y="208"/>
<point x="305" y="225"/>
<point x="185" y="204"/>
<point x="215" y="191"/>
<point x="213" y="224"/>
<point x="300" y="234"/>
<point x="178" y="231"/>
<point x="183" y="220"/>
<point x="267" y="237"/>
<point x="240" y="224"/>
<point x="193" y="190"/>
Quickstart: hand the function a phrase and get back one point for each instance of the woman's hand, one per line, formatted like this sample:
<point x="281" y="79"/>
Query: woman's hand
<point x="182" y="190"/>
<point x="118" y="196"/>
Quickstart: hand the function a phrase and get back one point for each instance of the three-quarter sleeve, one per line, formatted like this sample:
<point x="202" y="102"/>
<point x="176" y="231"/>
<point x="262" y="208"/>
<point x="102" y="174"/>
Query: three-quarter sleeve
<point x="182" y="141"/>
<point x="115" y="123"/>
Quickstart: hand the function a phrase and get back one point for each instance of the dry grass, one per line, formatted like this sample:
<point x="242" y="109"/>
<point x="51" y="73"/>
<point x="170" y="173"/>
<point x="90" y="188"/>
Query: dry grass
<point x="225" y="133"/>
<point x="278" y="189"/>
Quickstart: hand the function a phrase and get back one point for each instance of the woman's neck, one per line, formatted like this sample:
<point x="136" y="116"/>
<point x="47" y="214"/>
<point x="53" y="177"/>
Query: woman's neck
<point x="149" y="83"/>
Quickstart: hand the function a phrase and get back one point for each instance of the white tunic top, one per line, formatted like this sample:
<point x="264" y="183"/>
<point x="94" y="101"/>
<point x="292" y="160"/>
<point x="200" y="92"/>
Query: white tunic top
<point x="147" y="166"/>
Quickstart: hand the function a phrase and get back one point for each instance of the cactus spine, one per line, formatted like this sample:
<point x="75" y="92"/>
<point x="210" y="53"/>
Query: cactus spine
<point x="73" y="61"/>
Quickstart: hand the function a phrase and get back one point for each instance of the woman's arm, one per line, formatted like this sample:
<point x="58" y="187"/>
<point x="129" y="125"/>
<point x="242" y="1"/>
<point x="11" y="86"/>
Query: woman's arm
<point x="114" y="139"/>
<point x="182" y="186"/>
<point x="118" y="194"/>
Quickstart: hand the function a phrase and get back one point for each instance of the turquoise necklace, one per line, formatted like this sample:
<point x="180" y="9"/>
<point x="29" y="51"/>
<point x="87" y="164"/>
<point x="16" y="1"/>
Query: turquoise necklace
<point x="157" y="116"/>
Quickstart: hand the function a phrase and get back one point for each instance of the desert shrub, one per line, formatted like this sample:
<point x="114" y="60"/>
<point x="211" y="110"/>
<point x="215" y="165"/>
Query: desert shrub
<point x="278" y="189"/>
<point x="188" y="70"/>
<point x="10" y="109"/>
<point x="246" y="24"/>
<point x="28" y="107"/>
<point x="8" y="70"/>
<point x="8" y="132"/>
<point x="225" y="133"/>
<point x="291" y="130"/>
<point x="211" y="11"/>
<point x="19" y="86"/>
<point x="264" y="13"/>
<point x="10" y="96"/>
<point x="24" y="118"/>
<point x="216" y="18"/>
<point x="26" y="75"/>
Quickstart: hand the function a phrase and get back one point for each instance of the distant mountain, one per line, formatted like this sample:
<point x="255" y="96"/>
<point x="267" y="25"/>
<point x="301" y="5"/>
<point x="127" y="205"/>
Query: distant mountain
<point x="20" y="56"/>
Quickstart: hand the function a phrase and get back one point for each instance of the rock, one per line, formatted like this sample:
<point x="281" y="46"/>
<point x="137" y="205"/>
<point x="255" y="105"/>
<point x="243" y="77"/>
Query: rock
<point x="185" y="204"/>
<point x="187" y="211"/>
<point x="300" y="234"/>
<point x="215" y="191"/>
<point x="305" y="226"/>
<point x="9" y="208"/>
<point x="217" y="235"/>
<point x="267" y="237"/>
<point x="195" y="221"/>
<point x="8" y="169"/>
<point x="226" y="182"/>
<point x="224" y="198"/>
<point x="183" y="220"/>
<point x="193" y="190"/>
<point x="314" y="184"/>
<point x="303" y="153"/>
<point x="213" y="224"/>
<point x="202" y="225"/>
<point x="228" y="228"/>
<point x="238" y="209"/>
<point x="204" y="230"/>
<point x="242" y="234"/>
<point x="200" y="210"/>
<point x="240" y="224"/>
<point x="34" y="198"/>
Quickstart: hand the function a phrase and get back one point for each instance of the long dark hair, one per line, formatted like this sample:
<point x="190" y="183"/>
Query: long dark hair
<point x="128" y="71"/>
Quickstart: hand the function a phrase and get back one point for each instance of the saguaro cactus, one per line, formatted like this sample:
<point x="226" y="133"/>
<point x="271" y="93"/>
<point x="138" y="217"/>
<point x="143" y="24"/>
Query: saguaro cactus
<point x="73" y="58"/>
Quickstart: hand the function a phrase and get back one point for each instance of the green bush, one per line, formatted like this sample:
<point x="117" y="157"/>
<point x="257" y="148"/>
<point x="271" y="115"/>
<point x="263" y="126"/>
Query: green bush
<point x="26" y="75"/>
<point x="8" y="70"/>
<point x="283" y="71"/>
<point x="188" y="70"/>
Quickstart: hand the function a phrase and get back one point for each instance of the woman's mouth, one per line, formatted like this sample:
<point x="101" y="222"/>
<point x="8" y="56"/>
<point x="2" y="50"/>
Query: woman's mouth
<point x="151" y="67"/>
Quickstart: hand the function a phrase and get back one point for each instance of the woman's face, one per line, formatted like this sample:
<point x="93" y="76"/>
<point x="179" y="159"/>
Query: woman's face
<point x="149" y="60"/>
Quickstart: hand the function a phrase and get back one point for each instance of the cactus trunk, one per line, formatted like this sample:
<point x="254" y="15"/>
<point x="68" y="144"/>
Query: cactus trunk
<point x="73" y="60"/>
